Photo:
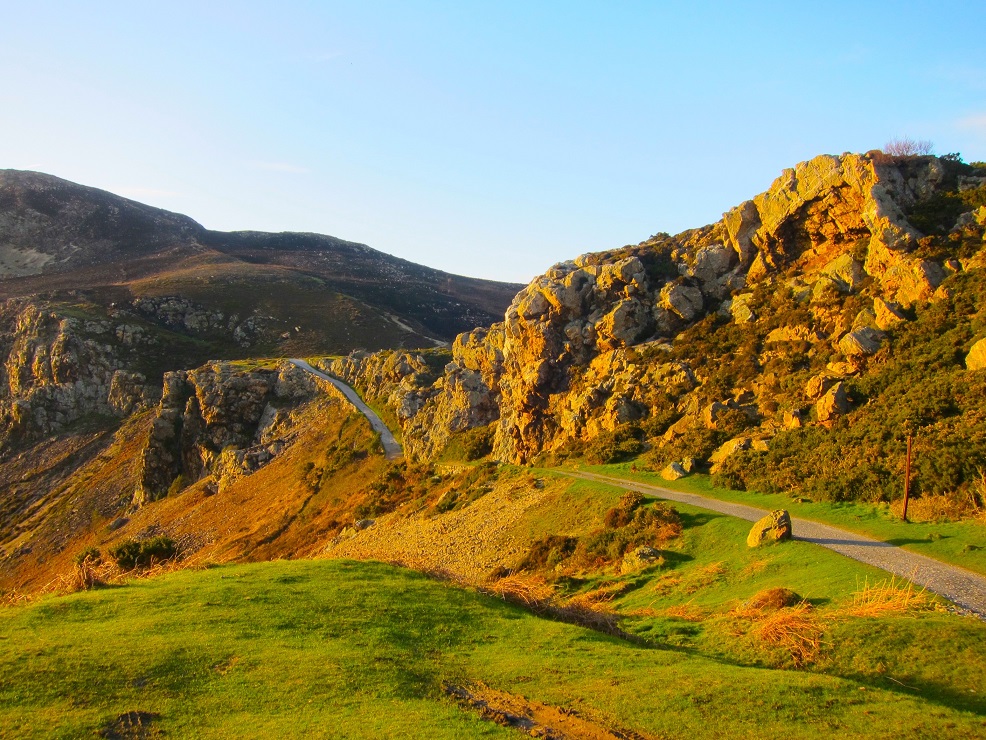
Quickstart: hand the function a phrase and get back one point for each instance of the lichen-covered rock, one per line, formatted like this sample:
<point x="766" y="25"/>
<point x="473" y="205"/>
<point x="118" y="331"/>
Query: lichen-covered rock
<point x="591" y="344"/>
<point x="862" y="341"/>
<point x="640" y="558"/>
<point x="833" y="403"/>
<point x="775" y="527"/>
<point x="219" y="422"/>
<point x="57" y="369"/>
<point x="728" y="448"/>
<point x="887" y="314"/>
<point x="674" y="471"/>
<point x="976" y="359"/>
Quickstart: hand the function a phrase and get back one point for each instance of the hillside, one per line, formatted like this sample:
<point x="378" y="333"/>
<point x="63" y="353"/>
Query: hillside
<point x="792" y="345"/>
<point x="787" y="349"/>
<point x="303" y="292"/>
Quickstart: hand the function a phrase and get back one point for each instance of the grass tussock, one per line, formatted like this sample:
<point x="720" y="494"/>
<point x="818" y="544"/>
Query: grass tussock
<point x="523" y="588"/>
<point x="591" y="610"/>
<point x="887" y="597"/>
<point x="794" y="628"/>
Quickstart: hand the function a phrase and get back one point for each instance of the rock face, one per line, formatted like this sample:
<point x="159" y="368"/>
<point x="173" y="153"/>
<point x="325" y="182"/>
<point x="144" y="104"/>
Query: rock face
<point x="593" y="344"/>
<point x="58" y="369"/>
<point x="774" y="527"/>
<point x="220" y="422"/>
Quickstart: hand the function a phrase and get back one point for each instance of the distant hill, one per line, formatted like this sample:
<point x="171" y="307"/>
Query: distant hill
<point x="316" y="293"/>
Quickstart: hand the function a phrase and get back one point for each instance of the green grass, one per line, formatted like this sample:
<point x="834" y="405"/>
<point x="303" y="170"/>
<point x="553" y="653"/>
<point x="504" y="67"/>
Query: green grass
<point x="342" y="649"/>
<point x="960" y="543"/>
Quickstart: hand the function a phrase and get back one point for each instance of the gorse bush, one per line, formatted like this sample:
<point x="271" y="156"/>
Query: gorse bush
<point x="131" y="554"/>
<point x="90" y="555"/>
<point x="616" y="446"/>
<point x="477" y="443"/>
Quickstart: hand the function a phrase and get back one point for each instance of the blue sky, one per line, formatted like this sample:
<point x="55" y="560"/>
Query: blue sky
<point x="488" y="139"/>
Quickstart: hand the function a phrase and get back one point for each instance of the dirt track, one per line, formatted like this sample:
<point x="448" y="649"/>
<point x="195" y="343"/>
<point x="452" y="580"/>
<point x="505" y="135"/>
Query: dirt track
<point x="963" y="587"/>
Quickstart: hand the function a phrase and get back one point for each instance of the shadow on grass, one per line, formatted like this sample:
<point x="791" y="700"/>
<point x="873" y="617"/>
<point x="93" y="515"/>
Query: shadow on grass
<point x="899" y="541"/>
<point x="698" y="519"/>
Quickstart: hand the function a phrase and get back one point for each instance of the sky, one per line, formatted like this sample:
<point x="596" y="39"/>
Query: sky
<point x="487" y="139"/>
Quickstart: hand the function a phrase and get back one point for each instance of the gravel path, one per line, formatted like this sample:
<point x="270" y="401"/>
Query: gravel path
<point x="963" y="587"/>
<point x="391" y="447"/>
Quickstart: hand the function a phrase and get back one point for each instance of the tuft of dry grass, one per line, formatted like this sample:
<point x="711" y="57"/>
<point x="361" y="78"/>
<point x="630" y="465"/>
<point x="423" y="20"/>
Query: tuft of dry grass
<point x="524" y="588"/>
<point x="893" y="596"/>
<point x="687" y="611"/>
<point x="796" y="629"/>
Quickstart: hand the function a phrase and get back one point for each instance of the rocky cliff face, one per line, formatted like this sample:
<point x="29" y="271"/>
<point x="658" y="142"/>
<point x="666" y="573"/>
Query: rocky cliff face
<point x="824" y="264"/>
<point x="58" y="369"/>
<point x="221" y="422"/>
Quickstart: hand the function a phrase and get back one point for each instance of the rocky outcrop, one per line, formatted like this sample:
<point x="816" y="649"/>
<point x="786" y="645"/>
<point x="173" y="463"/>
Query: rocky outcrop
<point x="775" y="527"/>
<point x="220" y="422"/>
<point x="592" y="344"/>
<point x="58" y="369"/>
<point x="182" y="315"/>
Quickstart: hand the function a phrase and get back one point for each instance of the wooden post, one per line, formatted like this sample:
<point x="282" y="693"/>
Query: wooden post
<point x="907" y="477"/>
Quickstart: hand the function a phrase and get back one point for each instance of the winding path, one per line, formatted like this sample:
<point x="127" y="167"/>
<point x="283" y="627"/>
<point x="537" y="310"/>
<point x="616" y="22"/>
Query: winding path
<point x="963" y="587"/>
<point x="391" y="447"/>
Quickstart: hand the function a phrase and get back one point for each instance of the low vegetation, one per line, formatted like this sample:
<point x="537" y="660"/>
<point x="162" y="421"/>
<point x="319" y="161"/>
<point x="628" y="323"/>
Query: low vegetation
<point x="364" y="649"/>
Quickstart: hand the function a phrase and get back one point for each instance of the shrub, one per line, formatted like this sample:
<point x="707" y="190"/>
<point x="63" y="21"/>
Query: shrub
<point x="905" y="146"/>
<point x="609" y="447"/>
<point x="547" y="552"/>
<point x="90" y="555"/>
<point x="131" y="554"/>
<point x="478" y="442"/>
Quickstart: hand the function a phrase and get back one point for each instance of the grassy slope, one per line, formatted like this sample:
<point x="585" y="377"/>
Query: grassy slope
<point x="341" y="649"/>
<point x="960" y="543"/>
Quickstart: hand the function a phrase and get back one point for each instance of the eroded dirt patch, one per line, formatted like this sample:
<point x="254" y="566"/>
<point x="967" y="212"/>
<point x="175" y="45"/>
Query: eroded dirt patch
<point x="531" y="717"/>
<point x="133" y="725"/>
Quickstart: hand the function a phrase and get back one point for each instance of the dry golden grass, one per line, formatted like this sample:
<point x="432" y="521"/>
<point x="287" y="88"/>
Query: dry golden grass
<point x="523" y="588"/>
<point x="947" y="507"/>
<point x="703" y="577"/>
<point x="600" y="600"/>
<point x="887" y="597"/>
<point x="794" y="628"/>
<point x="687" y="611"/>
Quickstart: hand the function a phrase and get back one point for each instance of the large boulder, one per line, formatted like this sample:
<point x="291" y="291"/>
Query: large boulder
<point x="862" y="341"/>
<point x="833" y="403"/>
<point x="774" y="527"/>
<point x="888" y="314"/>
<point x="728" y="448"/>
<point x="674" y="471"/>
<point x="684" y="300"/>
<point x="976" y="359"/>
